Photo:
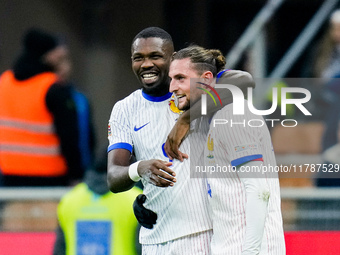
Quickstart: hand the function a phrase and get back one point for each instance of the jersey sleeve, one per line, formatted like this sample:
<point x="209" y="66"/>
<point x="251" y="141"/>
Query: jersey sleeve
<point x="257" y="194"/>
<point x="241" y="141"/>
<point x="119" y="131"/>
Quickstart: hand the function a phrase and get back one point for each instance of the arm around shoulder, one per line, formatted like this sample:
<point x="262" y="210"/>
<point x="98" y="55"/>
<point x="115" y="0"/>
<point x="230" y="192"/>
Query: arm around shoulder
<point x="241" y="79"/>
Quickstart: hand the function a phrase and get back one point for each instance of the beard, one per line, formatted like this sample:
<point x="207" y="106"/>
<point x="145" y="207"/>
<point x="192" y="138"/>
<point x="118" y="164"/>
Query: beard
<point x="158" y="88"/>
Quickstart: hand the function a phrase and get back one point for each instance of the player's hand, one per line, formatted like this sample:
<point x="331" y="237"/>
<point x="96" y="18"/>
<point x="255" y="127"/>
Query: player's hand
<point x="157" y="172"/>
<point x="145" y="217"/>
<point x="175" y="139"/>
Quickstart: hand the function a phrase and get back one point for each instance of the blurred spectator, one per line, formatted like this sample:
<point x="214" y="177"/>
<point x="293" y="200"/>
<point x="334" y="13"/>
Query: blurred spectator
<point x="95" y="221"/>
<point x="41" y="125"/>
<point x="324" y="59"/>
<point x="86" y="133"/>
<point x="326" y="66"/>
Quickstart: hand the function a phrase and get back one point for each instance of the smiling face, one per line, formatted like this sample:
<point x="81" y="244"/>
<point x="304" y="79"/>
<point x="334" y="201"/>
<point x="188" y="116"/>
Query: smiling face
<point x="181" y="71"/>
<point x="150" y="63"/>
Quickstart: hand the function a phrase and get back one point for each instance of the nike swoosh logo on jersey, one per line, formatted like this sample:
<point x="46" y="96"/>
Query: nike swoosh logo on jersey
<point x="138" y="128"/>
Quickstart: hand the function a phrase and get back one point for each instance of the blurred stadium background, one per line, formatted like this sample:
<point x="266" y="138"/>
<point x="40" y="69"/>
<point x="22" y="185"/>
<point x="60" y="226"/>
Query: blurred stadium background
<point x="267" y="38"/>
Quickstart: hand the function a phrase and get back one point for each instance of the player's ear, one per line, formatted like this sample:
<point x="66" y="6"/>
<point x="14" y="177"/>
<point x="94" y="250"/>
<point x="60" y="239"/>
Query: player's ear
<point x="173" y="55"/>
<point x="208" y="77"/>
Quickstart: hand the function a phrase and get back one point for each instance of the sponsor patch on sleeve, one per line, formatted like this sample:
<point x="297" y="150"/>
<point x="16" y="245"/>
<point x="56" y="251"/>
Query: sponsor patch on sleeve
<point x="244" y="147"/>
<point x="109" y="133"/>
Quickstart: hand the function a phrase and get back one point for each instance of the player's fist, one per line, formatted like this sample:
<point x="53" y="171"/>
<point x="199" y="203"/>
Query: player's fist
<point x="157" y="172"/>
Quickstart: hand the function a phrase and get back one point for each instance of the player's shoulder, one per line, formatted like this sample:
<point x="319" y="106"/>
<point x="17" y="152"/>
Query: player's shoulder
<point x="128" y="102"/>
<point x="133" y="97"/>
<point x="231" y="73"/>
<point x="230" y="76"/>
<point x="230" y="107"/>
<point x="229" y="110"/>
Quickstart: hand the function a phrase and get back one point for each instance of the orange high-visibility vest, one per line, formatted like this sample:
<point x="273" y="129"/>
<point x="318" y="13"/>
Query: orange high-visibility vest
<point x="29" y="145"/>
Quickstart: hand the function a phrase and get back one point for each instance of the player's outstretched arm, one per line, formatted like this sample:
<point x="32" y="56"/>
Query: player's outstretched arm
<point x="241" y="79"/>
<point x="121" y="176"/>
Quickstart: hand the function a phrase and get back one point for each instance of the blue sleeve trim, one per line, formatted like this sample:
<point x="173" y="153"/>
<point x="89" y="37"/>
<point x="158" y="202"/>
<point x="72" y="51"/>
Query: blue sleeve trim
<point x="164" y="153"/>
<point x="239" y="161"/>
<point x="218" y="76"/>
<point x="125" y="146"/>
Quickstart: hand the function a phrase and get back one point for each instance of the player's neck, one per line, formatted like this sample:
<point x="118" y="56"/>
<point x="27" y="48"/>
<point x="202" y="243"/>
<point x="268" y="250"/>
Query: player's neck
<point x="157" y="92"/>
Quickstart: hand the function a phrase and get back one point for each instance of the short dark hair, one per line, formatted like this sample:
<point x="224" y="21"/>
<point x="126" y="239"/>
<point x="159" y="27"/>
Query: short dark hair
<point x="153" y="32"/>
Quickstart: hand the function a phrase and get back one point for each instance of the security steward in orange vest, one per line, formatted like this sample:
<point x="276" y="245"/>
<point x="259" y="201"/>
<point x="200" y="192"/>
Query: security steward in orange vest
<point x="39" y="136"/>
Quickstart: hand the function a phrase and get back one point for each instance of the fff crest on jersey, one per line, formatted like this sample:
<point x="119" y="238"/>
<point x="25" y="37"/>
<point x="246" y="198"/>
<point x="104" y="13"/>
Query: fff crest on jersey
<point x="210" y="145"/>
<point x="173" y="105"/>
